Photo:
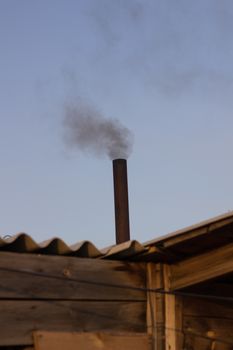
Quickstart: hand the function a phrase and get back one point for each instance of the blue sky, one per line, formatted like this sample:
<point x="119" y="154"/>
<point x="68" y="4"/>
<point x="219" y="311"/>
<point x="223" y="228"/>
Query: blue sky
<point x="164" y="69"/>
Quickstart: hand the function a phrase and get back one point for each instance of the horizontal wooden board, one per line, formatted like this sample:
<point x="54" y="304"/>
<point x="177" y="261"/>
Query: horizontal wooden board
<point x="194" y="306"/>
<point x="91" y="341"/>
<point x="202" y="268"/>
<point x="218" y="289"/>
<point x="19" y="319"/>
<point x="201" y="229"/>
<point x="208" y="319"/>
<point x="220" y="329"/>
<point x="31" y="276"/>
<point x="193" y="342"/>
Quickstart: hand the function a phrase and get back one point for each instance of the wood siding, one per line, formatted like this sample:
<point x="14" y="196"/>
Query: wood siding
<point x="155" y="306"/>
<point x="202" y="267"/>
<point x="207" y="324"/>
<point x="91" y="341"/>
<point x="54" y="293"/>
<point x="30" y="276"/>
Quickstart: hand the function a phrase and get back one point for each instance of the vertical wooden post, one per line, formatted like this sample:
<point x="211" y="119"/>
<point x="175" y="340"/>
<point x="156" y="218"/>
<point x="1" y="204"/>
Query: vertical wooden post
<point x="173" y="315"/>
<point x="155" y="306"/>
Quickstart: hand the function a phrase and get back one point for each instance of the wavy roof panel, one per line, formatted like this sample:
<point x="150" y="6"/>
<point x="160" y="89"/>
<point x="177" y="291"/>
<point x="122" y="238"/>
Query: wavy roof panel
<point x="175" y="246"/>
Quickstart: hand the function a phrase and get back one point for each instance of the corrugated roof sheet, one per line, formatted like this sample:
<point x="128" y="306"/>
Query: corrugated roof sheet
<point x="175" y="246"/>
<point x="23" y="243"/>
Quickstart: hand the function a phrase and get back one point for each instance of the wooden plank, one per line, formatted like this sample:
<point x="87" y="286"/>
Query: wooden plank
<point x="194" y="307"/>
<point x="202" y="267"/>
<point x="179" y="322"/>
<point x="193" y="342"/>
<point x="188" y="233"/>
<point x="173" y="315"/>
<point x="170" y="323"/>
<point x="208" y="320"/>
<point x="90" y="341"/>
<point x="201" y="229"/>
<point x="20" y="318"/>
<point x="155" y="306"/>
<point x="23" y="276"/>
<point x="205" y="327"/>
<point x="217" y="288"/>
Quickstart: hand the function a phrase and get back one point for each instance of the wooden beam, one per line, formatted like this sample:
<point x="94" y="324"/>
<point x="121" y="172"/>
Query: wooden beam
<point x="90" y="341"/>
<point x="155" y="306"/>
<point x="19" y="318"/>
<point x="211" y="320"/>
<point x="217" y="288"/>
<point x="196" y="230"/>
<point x="202" y="267"/>
<point x="31" y="276"/>
<point x="173" y="315"/>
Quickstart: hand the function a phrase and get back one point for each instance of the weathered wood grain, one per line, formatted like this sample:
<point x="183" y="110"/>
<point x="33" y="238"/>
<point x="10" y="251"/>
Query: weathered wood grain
<point x="194" y="306"/>
<point x="210" y="327"/>
<point x="19" y="319"/>
<point x="194" y="231"/>
<point x="155" y="306"/>
<point x="23" y="276"/>
<point x="207" y="321"/>
<point x="91" y="341"/>
<point x="173" y="315"/>
<point x="202" y="268"/>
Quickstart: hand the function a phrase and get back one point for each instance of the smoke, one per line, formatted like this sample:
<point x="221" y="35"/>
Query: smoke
<point x="86" y="129"/>
<point x="172" y="47"/>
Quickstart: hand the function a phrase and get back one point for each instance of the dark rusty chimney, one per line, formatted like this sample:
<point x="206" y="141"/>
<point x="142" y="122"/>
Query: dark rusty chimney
<point x="121" y="200"/>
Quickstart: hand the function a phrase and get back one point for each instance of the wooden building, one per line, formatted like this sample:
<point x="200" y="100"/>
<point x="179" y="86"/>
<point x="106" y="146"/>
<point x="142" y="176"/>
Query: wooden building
<point x="172" y="293"/>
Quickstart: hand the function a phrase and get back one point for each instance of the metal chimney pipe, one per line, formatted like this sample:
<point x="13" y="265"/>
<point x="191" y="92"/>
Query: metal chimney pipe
<point x="121" y="200"/>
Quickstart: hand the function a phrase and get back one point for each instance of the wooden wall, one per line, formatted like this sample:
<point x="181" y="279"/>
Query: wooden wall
<point x="200" y="323"/>
<point x="75" y="295"/>
<point x="207" y="324"/>
<point x="193" y="318"/>
<point x="68" y="294"/>
<point x="91" y="341"/>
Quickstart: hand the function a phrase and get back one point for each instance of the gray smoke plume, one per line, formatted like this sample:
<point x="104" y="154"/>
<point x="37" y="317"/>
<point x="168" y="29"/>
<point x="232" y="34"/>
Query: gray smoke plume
<point x="87" y="130"/>
<point x="172" y="47"/>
